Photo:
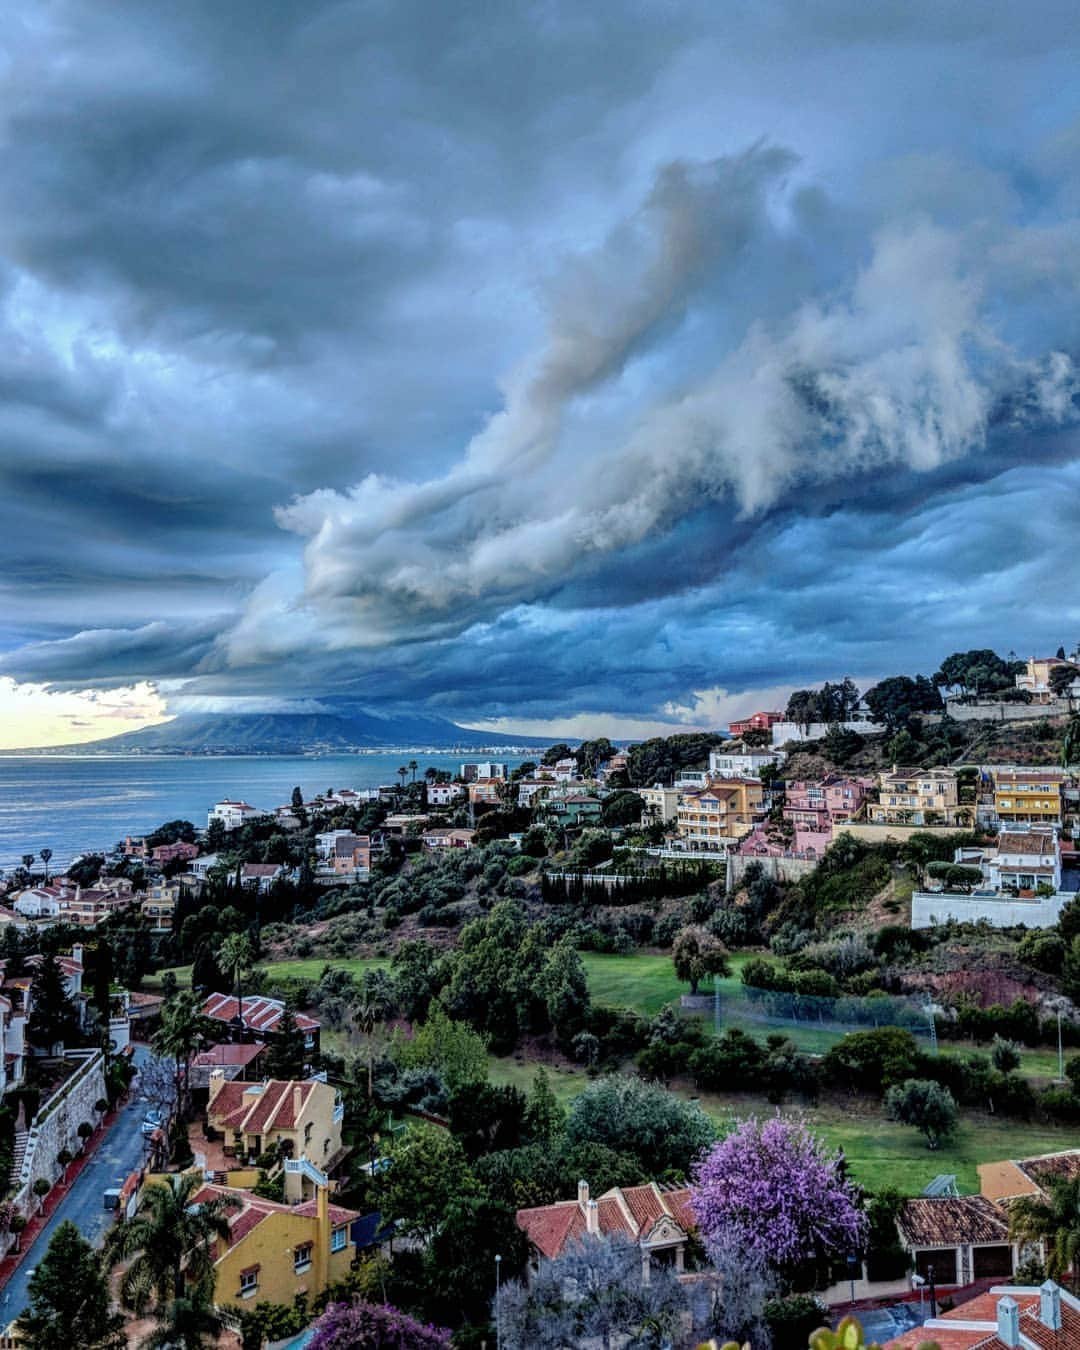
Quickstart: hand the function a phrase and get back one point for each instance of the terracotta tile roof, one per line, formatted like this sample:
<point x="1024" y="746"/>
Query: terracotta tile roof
<point x="228" y="1053"/>
<point x="1032" y="844"/>
<point x="258" y="1107"/>
<point x="260" y="1013"/>
<point x="338" y="1213"/>
<point x="678" y="1203"/>
<point x="1050" y="1167"/>
<point x="550" y="1227"/>
<point x="946" y="1221"/>
<point x="612" y="1218"/>
<point x="633" y="1210"/>
<point x="952" y="1330"/>
<point x="644" y="1204"/>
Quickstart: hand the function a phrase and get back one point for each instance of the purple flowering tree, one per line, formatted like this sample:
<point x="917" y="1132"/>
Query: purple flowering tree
<point x="374" y="1326"/>
<point x="773" y="1188"/>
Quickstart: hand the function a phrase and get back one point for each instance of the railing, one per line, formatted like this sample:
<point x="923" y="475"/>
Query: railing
<point x="306" y="1168"/>
<point x="91" y="1060"/>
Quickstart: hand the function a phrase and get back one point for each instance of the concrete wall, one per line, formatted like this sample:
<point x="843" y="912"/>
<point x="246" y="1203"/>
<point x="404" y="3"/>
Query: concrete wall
<point x="877" y="834"/>
<point x="56" y="1125"/>
<point x="930" y="908"/>
<point x="1007" y="712"/>
<point x="780" y="869"/>
<point x="782" y="732"/>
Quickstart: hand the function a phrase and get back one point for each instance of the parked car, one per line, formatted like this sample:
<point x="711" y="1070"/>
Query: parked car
<point x="153" y="1120"/>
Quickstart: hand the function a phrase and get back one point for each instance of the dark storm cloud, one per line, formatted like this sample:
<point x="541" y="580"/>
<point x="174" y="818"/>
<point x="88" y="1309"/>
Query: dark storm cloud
<point x="524" y="359"/>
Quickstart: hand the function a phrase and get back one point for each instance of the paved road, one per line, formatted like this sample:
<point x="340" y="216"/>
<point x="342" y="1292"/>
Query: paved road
<point x="116" y="1157"/>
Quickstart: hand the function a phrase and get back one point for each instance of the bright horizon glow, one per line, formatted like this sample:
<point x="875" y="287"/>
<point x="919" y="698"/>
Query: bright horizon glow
<point x="32" y="716"/>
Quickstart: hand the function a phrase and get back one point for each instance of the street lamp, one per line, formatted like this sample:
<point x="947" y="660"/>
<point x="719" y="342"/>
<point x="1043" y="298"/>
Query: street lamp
<point x="498" y="1290"/>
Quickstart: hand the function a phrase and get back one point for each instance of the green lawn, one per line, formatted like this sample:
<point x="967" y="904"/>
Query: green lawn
<point x="311" y="968"/>
<point x="879" y="1151"/>
<point x="645" y="982"/>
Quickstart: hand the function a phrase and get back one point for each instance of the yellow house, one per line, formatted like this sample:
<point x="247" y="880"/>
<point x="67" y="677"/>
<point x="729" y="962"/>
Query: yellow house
<point x="1028" y="796"/>
<point x="275" y="1252"/>
<point x="918" y="797"/>
<point x="721" y="812"/>
<point x="303" y="1116"/>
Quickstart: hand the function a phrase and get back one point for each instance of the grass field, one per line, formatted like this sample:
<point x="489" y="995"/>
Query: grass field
<point x="879" y="1151"/>
<point x="643" y="981"/>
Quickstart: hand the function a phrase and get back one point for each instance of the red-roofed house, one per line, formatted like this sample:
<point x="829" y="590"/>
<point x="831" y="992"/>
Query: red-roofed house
<point x="258" y="1017"/>
<point x="1006" y="1317"/>
<point x="659" y="1220"/>
<point x="234" y="1059"/>
<point x="301" y="1117"/>
<point x="275" y="1252"/>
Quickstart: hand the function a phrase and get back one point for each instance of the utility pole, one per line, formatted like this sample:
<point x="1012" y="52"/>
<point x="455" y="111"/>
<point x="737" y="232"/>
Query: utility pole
<point x="498" y="1302"/>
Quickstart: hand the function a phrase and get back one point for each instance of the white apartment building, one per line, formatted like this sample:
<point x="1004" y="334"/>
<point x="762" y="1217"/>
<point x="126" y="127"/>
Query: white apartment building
<point x="746" y="763"/>
<point x="233" y="814"/>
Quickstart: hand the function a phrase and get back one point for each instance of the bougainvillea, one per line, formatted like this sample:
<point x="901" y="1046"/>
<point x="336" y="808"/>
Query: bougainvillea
<point x="374" y="1326"/>
<point x="775" y="1187"/>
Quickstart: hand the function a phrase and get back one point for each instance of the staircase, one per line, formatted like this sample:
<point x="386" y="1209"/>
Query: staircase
<point x="18" y="1156"/>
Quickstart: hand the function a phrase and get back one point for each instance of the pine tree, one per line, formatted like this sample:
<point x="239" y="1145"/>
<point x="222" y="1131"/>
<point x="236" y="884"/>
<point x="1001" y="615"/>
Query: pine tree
<point x="206" y="974"/>
<point x="69" y="1299"/>
<point x="285" y="1057"/>
<point x="53" y="1016"/>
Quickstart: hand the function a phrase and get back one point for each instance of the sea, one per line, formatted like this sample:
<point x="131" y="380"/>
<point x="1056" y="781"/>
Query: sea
<point x="79" y="804"/>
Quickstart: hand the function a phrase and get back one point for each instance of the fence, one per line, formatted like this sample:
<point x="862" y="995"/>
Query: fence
<point x="813" y="1022"/>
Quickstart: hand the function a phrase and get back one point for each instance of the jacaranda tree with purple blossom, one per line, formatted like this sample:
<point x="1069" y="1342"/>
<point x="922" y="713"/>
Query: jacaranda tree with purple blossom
<point x="374" y="1326"/>
<point x="775" y="1189"/>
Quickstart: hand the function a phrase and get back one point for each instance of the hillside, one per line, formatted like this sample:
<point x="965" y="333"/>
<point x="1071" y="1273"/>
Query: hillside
<point x="295" y="733"/>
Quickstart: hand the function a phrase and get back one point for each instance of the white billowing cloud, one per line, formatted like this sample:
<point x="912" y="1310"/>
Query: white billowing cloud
<point x="901" y="366"/>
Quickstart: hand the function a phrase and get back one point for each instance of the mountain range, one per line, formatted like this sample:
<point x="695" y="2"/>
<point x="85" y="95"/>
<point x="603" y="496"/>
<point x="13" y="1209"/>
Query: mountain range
<point x="298" y="733"/>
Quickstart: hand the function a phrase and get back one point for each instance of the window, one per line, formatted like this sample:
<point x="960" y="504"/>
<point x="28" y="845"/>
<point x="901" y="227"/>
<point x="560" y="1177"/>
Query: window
<point x="339" y="1239"/>
<point x="249" y="1281"/>
<point x="302" y="1257"/>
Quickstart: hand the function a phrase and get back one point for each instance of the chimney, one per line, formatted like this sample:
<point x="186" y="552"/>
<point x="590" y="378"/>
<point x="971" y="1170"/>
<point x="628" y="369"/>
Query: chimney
<point x="77" y="953"/>
<point x="1050" y="1306"/>
<point x="297" y="1101"/>
<point x="1008" y="1321"/>
<point x="583" y="1193"/>
<point x="217" y="1082"/>
<point x="322" y="1240"/>
<point x="592" y="1221"/>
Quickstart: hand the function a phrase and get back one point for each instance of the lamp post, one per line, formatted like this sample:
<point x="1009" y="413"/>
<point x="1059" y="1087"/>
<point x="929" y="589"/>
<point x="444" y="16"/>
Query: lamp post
<point x="498" y="1310"/>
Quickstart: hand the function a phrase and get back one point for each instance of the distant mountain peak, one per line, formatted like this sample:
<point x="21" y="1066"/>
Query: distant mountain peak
<point x="301" y="733"/>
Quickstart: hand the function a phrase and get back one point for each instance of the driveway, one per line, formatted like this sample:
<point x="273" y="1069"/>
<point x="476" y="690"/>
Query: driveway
<point x="118" y="1155"/>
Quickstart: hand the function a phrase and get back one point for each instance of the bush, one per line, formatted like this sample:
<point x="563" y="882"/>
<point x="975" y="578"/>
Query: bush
<point x="791" y="1321"/>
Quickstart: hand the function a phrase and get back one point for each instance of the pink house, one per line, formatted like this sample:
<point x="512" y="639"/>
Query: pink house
<point x="168" y="852"/>
<point x="813" y="808"/>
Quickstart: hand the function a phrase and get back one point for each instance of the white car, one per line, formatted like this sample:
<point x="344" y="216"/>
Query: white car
<point x="152" y="1121"/>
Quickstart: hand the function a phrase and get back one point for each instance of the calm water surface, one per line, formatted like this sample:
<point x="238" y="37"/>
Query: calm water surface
<point x="75" y="804"/>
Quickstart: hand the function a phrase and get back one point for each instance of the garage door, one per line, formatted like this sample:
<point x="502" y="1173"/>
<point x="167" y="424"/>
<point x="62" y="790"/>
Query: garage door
<point x="992" y="1261"/>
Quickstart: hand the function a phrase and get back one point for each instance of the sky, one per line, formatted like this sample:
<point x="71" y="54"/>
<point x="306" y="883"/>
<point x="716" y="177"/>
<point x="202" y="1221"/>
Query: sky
<point x="583" y="368"/>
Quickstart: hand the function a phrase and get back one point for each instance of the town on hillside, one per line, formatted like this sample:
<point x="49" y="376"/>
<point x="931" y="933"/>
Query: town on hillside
<point x="748" y="1029"/>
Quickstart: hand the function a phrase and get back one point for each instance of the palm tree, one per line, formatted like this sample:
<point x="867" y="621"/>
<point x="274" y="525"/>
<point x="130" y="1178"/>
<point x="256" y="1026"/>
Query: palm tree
<point x="1054" y="1220"/>
<point x="234" y="958"/>
<point x="45" y="855"/>
<point x="185" y="1324"/>
<point x="28" y="861"/>
<point x="373" y="1004"/>
<point x="169" y="1244"/>
<point x="182" y="1033"/>
<point x="431" y="773"/>
<point x="413" y="766"/>
<point x="403" y="773"/>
